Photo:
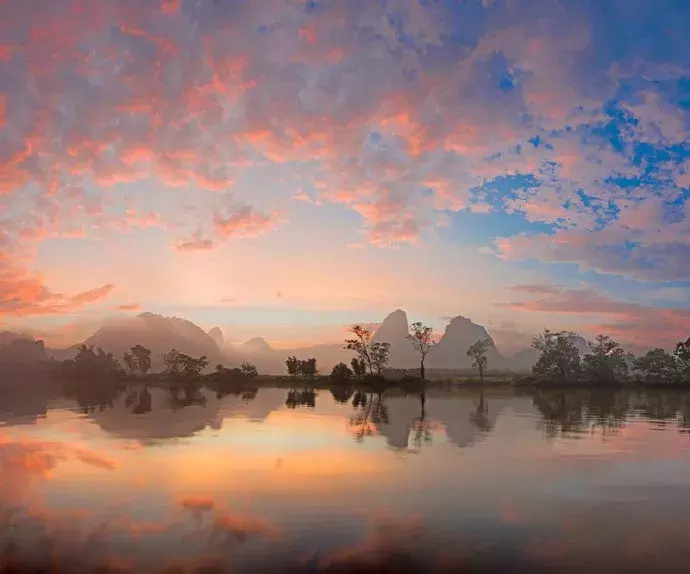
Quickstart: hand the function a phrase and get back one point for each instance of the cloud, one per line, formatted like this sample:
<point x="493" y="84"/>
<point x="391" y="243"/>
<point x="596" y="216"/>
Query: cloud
<point x="232" y="528"/>
<point x="388" y="544"/>
<point x="94" y="459"/>
<point x="195" y="243"/>
<point x="91" y="296"/>
<point x="394" y="118"/>
<point x="197" y="504"/>
<point x="633" y="323"/>
<point x="128" y="307"/>
<point x="244" y="222"/>
<point x="537" y="289"/>
<point x="25" y="295"/>
<point x="24" y="460"/>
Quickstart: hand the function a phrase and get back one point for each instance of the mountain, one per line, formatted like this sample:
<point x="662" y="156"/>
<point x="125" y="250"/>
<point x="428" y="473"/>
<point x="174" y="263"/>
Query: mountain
<point x="17" y="348"/>
<point x="257" y="345"/>
<point x="451" y="351"/>
<point x="217" y="335"/>
<point x="161" y="334"/>
<point x="158" y="333"/>
<point x="394" y="330"/>
<point x="523" y="360"/>
<point x="22" y="361"/>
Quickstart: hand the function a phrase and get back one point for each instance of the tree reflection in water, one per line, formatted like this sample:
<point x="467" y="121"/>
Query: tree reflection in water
<point x="301" y="397"/>
<point x="370" y="411"/>
<point x="188" y="396"/>
<point x="421" y="427"/>
<point x="480" y="417"/>
<point x="93" y="395"/>
<point x="341" y="394"/>
<point x="570" y="411"/>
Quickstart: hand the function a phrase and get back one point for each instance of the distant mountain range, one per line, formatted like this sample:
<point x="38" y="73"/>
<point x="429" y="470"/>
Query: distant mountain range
<point x="161" y="334"/>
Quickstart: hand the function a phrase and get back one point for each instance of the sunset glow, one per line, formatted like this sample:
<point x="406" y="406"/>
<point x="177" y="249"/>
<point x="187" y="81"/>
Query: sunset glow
<point x="284" y="168"/>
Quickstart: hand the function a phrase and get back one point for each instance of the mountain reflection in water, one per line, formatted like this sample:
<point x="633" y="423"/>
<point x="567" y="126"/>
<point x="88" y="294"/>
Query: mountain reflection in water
<point x="188" y="479"/>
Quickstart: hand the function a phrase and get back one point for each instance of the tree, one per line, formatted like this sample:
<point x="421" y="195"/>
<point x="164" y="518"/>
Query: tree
<point x="179" y="365"/>
<point x="359" y="369"/>
<point x="361" y="344"/>
<point x="606" y="363"/>
<point x="307" y="369"/>
<point x="341" y="372"/>
<point x="559" y="359"/>
<point x="682" y="354"/>
<point x="172" y="362"/>
<point x="658" y="367"/>
<point x="422" y="339"/>
<point x="292" y="364"/>
<point x="478" y="351"/>
<point x="380" y="355"/>
<point x="90" y="363"/>
<point x="248" y="370"/>
<point x="131" y="362"/>
<point x="142" y="355"/>
<point x="192" y="367"/>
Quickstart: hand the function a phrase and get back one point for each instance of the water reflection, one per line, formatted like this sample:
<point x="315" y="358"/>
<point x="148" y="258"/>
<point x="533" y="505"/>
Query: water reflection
<point x="574" y="411"/>
<point x="301" y="397"/>
<point x="331" y="480"/>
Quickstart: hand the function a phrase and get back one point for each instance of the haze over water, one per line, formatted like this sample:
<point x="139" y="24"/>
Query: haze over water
<point x="281" y="480"/>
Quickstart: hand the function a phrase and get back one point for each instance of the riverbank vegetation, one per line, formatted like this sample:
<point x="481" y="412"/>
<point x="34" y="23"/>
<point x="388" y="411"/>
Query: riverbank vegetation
<point x="562" y="360"/>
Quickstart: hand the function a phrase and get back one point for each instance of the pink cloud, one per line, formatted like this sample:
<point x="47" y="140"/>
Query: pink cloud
<point x="23" y="294"/>
<point x="312" y="91"/>
<point x="128" y="307"/>
<point x="634" y="323"/>
<point x="245" y="222"/>
<point x="91" y="296"/>
<point x="195" y="244"/>
<point x="537" y="289"/>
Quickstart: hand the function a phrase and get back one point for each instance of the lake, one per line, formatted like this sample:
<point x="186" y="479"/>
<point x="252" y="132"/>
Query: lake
<point x="279" y="480"/>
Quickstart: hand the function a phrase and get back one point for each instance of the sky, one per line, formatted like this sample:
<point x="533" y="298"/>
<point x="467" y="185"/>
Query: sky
<point x="284" y="168"/>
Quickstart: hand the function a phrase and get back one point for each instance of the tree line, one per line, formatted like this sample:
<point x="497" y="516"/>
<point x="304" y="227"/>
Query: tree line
<point x="561" y="361"/>
<point x="94" y="363"/>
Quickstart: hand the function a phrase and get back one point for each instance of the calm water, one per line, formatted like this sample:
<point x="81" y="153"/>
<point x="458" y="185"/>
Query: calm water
<point x="149" y="480"/>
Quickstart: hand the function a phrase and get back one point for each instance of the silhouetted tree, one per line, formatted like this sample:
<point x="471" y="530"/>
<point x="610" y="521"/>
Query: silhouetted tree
<point x="179" y="365"/>
<point x="606" y="363"/>
<point x="359" y="369"/>
<point x="478" y="351"/>
<point x="682" y="354"/>
<point x="658" y="367"/>
<point x="248" y="370"/>
<point x="341" y="372"/>
<point x="559" y="359"/>
<point x="422" y="339"/>
<point x="130" y="362"/>
<point x="307" y="369"/>
<point x="138" y="360"/>
<point x="90" y="363"/>
<point x="142" y="356"/>
<point x="292" y="364"/>
<point x="361" y="344"/>
<point x="380" y="355"/>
